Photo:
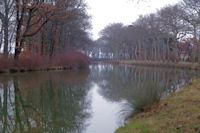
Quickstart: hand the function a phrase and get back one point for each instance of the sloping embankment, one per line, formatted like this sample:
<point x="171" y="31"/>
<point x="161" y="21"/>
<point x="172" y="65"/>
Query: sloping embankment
<point x="177" y="113"/>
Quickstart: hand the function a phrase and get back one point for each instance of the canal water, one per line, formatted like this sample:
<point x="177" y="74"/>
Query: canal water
<point x="95" y="100"/>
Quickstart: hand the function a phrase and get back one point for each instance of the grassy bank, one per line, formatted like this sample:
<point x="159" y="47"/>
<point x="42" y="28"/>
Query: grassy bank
<point x="177" y="113"/>
<point x="180" y="65"/>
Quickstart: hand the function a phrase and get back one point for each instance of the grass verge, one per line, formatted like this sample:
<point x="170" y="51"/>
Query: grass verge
<point x="177" y="113"/>
<point x="179" y="65"/>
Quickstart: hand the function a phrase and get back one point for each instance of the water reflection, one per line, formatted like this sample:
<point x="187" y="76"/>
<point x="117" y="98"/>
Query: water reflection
<point x="86" y="101"/>
<point x="45" y="102"/>
<point x="138" y="86"/>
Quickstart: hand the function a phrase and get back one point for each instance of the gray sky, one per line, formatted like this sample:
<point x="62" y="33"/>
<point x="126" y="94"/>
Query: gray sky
<point x="104" y="12"/>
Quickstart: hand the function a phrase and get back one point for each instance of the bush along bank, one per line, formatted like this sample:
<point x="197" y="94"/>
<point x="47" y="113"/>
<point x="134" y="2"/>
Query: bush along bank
<point x="177" y="113"/>
<point x="36" y="62"/>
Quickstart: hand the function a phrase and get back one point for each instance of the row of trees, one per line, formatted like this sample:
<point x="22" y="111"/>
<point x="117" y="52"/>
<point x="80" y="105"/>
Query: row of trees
<point x="155" y="36"/>
<point x="45" y="27"/>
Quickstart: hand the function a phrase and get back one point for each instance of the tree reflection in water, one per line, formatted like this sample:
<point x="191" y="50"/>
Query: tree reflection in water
<point x="60" y="102"/>
<point x="137" y="87"/>
<point x="44" y="102"/>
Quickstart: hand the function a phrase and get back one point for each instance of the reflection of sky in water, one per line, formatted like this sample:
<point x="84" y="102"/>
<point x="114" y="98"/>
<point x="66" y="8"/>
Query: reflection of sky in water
<point x="104" y="113"/>
<point x="83" y="102"/>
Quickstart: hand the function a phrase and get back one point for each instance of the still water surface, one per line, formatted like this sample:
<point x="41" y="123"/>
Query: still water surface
<point x="96" y="100"/>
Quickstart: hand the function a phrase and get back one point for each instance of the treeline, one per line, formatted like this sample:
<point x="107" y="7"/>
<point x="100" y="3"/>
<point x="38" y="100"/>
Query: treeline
<point x="45" y="27"/>
<point x="167" y="35"/>
<point x="43" y="34"/>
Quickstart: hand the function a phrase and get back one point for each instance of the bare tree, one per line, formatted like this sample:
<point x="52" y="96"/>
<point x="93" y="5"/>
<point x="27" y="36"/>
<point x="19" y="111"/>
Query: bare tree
<point x="32" y="16"/>
<point x="6" y="15"/>
<point x="191" y="15"/>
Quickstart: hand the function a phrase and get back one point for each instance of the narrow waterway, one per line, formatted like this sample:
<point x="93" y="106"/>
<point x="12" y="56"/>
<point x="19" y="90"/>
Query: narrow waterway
<point x="95" y="100"/>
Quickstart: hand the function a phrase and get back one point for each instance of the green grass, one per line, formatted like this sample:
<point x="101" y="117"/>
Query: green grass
<point x="177" y="113"/>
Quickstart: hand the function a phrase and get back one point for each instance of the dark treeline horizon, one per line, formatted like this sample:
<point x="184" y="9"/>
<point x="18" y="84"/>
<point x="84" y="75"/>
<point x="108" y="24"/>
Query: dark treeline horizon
<point x="170" y="34"/>
<point x="45" y="27"/>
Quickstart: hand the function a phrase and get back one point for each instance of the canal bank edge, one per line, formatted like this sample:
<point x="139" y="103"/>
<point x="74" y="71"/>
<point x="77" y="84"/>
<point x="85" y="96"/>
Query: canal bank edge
<point x="179" y="65"/>
<point x="178" y="112"/>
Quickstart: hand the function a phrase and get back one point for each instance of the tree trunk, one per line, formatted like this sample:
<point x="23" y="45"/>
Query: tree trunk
<point x="17" y="52"/>
<point x="5" y="29"/>
<point x="5" y="49"/>
<point x="193" y="49"/>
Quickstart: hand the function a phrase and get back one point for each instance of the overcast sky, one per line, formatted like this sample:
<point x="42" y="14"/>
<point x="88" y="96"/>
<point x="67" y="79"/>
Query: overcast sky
<point x="104" y="12"/>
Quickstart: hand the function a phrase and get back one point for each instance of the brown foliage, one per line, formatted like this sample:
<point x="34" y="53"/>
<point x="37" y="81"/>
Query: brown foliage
<point x="72" y="59"/>
<point x="5" y="62"/>
<point x="29" y="61"/>
<point x="32" y="16"/>
<point x="154" y="108"/>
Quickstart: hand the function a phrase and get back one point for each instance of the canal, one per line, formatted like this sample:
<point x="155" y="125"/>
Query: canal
<point x="95" y="100"/>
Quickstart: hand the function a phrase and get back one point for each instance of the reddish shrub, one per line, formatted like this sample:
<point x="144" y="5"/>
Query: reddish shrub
<point x="5" y="62"/>
<point x="72" y="59"/>
<point x="34" y="61"/>
<point x="31" y="61"/>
